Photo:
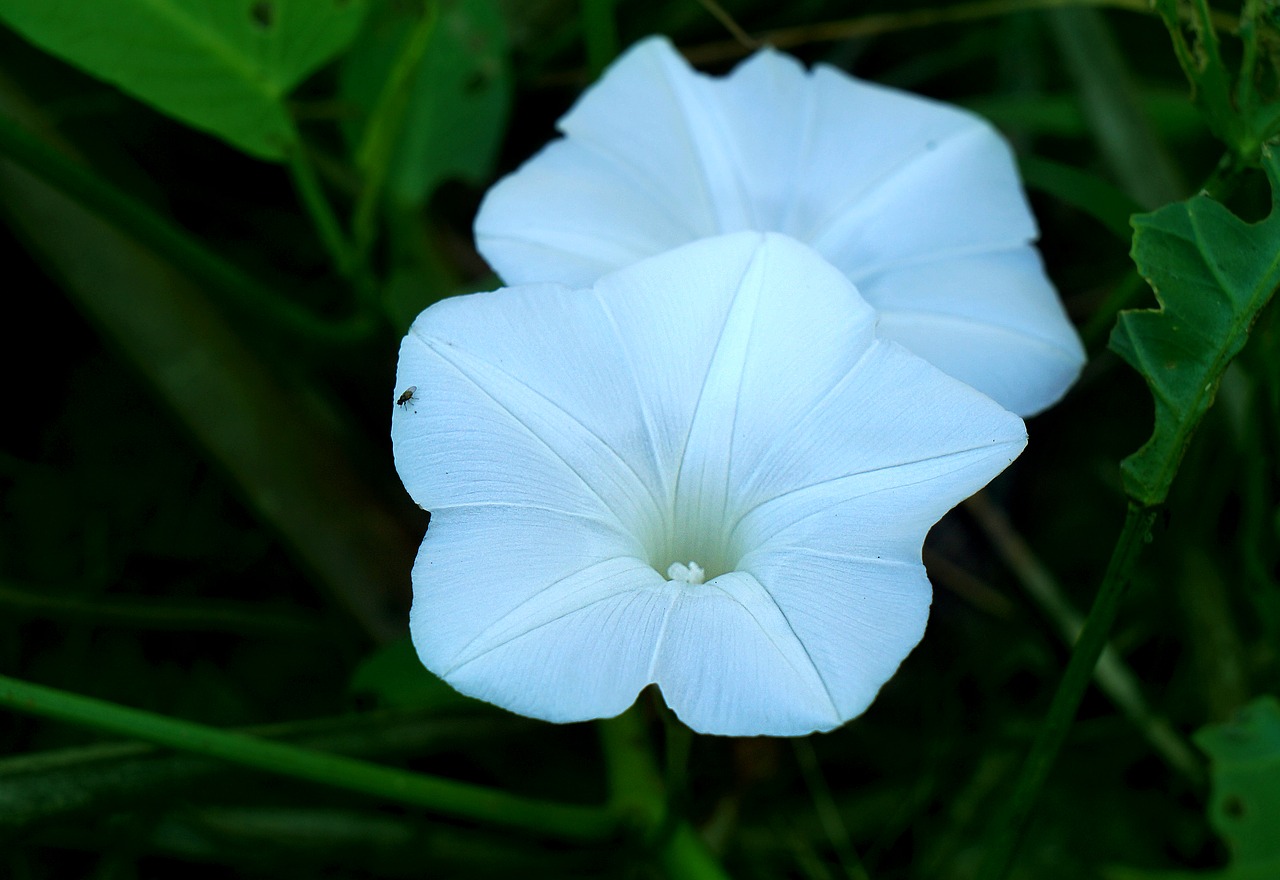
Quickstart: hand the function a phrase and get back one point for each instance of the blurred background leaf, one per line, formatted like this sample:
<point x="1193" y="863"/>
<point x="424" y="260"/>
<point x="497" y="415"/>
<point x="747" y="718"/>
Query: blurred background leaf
<point x="223" y="67"/>
<point x="199" y="516"/>
<point x="454" y="100"/>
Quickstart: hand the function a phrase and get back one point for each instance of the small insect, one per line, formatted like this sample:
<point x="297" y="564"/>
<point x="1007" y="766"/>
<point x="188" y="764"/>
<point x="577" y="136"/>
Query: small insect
<point x="407" y="395"/>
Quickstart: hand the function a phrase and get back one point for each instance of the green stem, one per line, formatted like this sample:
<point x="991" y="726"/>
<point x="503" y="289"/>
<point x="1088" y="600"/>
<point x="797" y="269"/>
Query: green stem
<point x="1249" y="58"/>
<point x="163" y="236"/>
<point x="1113" y="677"/>
<point x="638" y="798"/>
<point x="600" y="32"/>
<point x="686" y="857"/>
<point x="442" y="796"/>
<point x="1110" y="100"/>
<point x="377" y="146"/>
<point x="828" y="812"/>
<point x="878" y="23"/>
<point x="1012" y="824"/>
<point x="114" y="776"/>
<point x="321" y="212"/>
<point x="151" y="613"/>
<point x="635" y="786"/>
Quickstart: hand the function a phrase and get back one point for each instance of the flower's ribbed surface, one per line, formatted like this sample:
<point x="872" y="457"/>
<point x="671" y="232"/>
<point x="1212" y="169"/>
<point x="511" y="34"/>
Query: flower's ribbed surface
<point x="916" y="202"/>
<point x="726" y="404"/>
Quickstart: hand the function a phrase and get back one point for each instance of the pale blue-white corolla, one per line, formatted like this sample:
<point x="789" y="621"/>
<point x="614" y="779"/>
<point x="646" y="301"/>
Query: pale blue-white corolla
<point x="704" y="471"/>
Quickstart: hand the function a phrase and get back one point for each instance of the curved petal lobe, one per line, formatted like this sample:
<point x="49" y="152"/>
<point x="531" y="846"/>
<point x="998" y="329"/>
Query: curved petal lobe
<point x="541" y="613"/>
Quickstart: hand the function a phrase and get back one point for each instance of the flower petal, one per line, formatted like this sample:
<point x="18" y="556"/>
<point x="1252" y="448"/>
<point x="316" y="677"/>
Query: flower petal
<point x="794" y="327"/>
<point x="841" y="560"/>
<point x="856" y="616"/>
<point x="878" y="181"/>
<point x="516" y="401"/>
<point x="728" y="396"/>
<point x="546" y="614"/>
<point x="729" y="664"/>
<point x="573" y="214"/>
<point x="890" y="423"/>
<point x="999" y="302"/>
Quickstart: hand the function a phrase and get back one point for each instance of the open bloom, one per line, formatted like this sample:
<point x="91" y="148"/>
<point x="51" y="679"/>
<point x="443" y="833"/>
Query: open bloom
<point x="704" y="472"/>
<point x="918" y="203"/>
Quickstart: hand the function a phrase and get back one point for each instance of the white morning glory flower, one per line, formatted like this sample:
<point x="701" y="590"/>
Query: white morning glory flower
<point x="917" y="202"/>
<point x="704" y="472"/>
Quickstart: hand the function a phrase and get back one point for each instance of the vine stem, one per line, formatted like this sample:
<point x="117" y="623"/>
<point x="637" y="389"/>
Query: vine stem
<point x="893" y="22"/>
<point x="326" y="222"/>
<point x="1113" y="677"/>
<point x="1013" y="821"/>
<point x="442" y="796"/>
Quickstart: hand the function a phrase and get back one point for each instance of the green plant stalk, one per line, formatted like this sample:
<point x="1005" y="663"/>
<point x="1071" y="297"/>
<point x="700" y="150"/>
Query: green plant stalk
<point x="115" y="776"/>
<point x="441" y="796"/>
<point x="894" y="22"/>
<point x="1113" y="109"/>
<point x="1113" y="677"/>
<point x="828" y="813"/>
<point x="1081" y="190"/>
<point x="242" y="291"/>
<point x="151" y="613"/>
<point x="1012" y="823"/>
<point x="685" y="857"/>
<point x="321" y="212"/>
<point x="1244" y="95"/>
<point x="637" y="797"/>
<point x="377" y="146"/>
<point x="600" y="32"/>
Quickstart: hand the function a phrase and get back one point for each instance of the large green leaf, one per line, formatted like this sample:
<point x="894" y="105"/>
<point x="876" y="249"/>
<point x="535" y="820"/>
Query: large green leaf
<point x="224" y="66"/>
<point x="1212" y="274"/>
<point x="454" y="110"/>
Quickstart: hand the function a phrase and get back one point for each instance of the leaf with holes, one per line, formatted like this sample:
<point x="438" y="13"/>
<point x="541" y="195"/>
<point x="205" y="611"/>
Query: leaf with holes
<point x="223" y="67"/>
<point x="1212" y="274"/>
<point x="1245" y="805"/>
<point x="456" y="99"/>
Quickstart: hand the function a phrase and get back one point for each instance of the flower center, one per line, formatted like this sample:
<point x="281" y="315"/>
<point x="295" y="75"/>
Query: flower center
<point x="690" y="573"/>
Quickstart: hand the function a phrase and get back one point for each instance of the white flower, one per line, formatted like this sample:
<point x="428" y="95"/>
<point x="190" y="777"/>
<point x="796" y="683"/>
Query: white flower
<point x="918" y="203"/>
<point x="705" y="472"/>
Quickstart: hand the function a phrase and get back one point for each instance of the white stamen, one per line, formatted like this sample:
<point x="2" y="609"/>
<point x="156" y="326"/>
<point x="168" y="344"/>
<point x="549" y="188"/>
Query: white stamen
<point x="689" y="574"/>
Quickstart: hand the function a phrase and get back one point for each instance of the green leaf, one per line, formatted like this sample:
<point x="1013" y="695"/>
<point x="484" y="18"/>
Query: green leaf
<point x="1212" y="274"/>
<point x="225" y="67"/>
<point x="395" y="679"/>
<point x="1238" y="112"/>
<point x="457" y="101"/>
<point x="1245" y="804"/>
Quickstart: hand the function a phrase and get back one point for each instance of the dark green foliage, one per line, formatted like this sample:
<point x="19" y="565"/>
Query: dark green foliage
<point x="1213" y="274"/>
<point x="199" y="517"/>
